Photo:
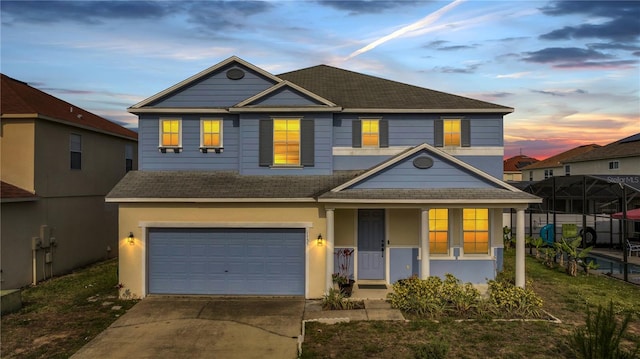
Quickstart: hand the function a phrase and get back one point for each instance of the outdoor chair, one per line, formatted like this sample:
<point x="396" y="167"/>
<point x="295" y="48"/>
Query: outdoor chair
<point x="633" y="247"/>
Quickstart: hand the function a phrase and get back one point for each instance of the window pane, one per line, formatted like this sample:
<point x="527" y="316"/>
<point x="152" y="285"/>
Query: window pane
<point x="452" y="131"/>
<point x="476" y="230"/>
<point x="170" y="132"/>
<point x="286" y="142"/>
<point x="76" y="160"/>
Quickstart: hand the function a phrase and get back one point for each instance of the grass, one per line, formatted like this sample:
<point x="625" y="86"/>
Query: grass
<point x="565" y="297"/>
<point x="60" y="315"/>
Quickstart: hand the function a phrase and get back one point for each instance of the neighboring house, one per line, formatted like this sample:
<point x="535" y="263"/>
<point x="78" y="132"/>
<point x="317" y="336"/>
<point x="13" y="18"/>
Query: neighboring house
<point x="620" y="158"/>
<point x="554" y="165"/>
<point x="512" y="167"/>
<point x="58" y="162"/>
<point x="249" y="183"/>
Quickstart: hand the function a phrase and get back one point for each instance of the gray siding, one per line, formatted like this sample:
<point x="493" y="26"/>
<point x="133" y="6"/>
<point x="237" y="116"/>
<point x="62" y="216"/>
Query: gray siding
<point x="217" y="90"/>
<point x="285" y="97"/>
<point x="442" y="175"/>
<point x="249" y="150"/>
<point x="190" y="158"/>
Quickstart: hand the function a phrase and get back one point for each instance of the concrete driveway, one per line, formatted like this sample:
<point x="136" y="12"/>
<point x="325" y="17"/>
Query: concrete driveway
<point x="202" y="327"/>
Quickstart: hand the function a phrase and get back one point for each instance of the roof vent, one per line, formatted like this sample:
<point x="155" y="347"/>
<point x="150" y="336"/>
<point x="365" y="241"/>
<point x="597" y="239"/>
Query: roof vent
<point x="423" y="162"/>
<point x="235" y="74"/>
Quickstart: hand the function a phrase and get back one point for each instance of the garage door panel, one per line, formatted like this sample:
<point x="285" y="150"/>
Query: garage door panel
<point x="254" y="261"/>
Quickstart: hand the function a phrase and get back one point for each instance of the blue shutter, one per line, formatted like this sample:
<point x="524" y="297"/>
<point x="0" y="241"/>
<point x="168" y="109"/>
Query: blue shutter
<point x="266" y="143"/>
<point x="438" y="133"/>
<point x="356" y="133"/>
<point x="307" y="143"/>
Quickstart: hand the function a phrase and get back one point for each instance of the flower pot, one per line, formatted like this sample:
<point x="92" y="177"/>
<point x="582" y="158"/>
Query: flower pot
<point x="347" y="288"/>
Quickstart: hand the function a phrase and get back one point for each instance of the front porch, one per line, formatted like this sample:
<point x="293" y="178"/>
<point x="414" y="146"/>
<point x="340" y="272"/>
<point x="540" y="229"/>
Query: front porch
<point x="388" y="243"/>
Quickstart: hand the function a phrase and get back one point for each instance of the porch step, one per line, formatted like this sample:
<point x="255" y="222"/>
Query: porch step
<point x="376" y="304"/>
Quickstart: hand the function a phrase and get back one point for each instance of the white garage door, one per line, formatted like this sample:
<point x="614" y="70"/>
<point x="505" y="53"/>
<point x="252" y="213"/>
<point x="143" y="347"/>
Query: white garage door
<point x="253" y="261"/>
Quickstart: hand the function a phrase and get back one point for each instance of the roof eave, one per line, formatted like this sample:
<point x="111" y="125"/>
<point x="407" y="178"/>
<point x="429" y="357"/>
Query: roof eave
<point x="505" y="110"/>
<point x="204" y="200"/>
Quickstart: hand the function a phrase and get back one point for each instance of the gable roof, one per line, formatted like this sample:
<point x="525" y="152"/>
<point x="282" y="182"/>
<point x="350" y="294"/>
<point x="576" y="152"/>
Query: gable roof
<point x="516" y="163"/>
<point x="19" y="100"/>
<point x="424" y="147"/>
<point x="11" y="193"/>
<point x="203" y="74"/>
<point x="264" y="94"/>
<point x="355" y="91"/>
<point x="559" y="159"/>
<point x="626" y="147"/>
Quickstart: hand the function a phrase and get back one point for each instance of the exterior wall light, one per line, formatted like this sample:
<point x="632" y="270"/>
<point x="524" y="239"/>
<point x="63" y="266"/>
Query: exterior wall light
<point x="130" y="238"/>
<point x="319" y="240"/>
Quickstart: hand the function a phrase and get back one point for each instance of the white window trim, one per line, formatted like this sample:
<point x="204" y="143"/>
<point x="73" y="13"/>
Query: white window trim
<point x="202" y="132"/>
<point x="160" y="145"/>
<point x="444" y="133"/>
<point x="71" y="150"/>
<point x="449" y="252"/>
<point x="614" y="165"/>
<point x="490" y="226"/>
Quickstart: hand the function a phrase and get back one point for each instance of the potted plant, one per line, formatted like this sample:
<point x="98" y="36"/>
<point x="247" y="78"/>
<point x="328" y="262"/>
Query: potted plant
<point x="344" y="271"/>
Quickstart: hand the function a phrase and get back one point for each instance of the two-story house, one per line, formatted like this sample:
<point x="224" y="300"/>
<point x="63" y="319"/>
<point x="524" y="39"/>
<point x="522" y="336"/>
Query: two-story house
<point x="249" y="183"/>
<point x="58" y="162"/>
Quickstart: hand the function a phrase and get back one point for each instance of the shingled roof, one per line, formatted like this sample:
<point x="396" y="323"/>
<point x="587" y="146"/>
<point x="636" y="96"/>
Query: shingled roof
<point x="11" y="193"/>
<point x="352" y="90"/>
<point x="559" y="159"/>
<point x="221" y="185"/>
<point x="18" y="99"/>
<point x="626" y="147"/>
<point x="435" y="195"/>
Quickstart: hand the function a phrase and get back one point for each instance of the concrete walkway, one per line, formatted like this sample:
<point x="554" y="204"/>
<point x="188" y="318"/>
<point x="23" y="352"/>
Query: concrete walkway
<point x="374" y="309"/>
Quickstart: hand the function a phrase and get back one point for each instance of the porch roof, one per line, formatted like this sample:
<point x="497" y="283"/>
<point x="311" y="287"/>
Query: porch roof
<point x="431" y="196"/>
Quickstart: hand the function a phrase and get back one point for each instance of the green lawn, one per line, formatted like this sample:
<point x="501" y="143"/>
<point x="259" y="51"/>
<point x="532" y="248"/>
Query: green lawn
<point x="564" y="297"/>
<point x="60" y="315"/>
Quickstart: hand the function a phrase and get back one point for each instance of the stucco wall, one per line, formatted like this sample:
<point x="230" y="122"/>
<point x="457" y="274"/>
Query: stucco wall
<point x="403" y="227"/>
<point x="17" y="153"/>
<point x="85" y="229"/>
<point x="137" y="217"/>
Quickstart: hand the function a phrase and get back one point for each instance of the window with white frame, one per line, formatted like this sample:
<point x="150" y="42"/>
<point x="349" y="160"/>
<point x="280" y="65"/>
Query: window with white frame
<point x="211" y="133"/>
<point x="438" y="231"/>
<point x="567" y="170"/>
<point x="614" y="165"/>
<point x="75" y="149"/>
<point x="452" y="132"/>
<point x="170" y="133"/>
<point x="286" y="142"/>
<point x="370" y="133"/>
<point x="548" y="174"/>
<point x="475" y="230"/>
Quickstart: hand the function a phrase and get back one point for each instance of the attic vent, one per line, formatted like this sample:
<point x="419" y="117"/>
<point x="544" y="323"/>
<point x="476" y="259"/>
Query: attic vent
<point x="235" y="74"/>
<point x="423" y="162"/>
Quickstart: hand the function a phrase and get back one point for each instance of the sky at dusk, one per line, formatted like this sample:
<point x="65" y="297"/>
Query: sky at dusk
<point x="571" y="69"/>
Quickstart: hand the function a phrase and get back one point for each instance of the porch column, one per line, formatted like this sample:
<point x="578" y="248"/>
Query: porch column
<point x="424" y="243"/>
<point x="329" y="249"/>
<point x="520" y="280"/>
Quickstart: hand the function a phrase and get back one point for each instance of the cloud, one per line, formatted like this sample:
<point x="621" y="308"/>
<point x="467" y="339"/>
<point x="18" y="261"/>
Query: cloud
<point x="418" y="25"/>
<point x="439" y="46"/>
<point x="622" y="24"/>
<point x="217" y="16"/>
<point x="468" y="69"/>
<point x="561" y="92"/>
<point x="365" y="6"/>
<point x="573" y="57"/>
<point x="515" y="75"/>
<point x="83" y="12"/>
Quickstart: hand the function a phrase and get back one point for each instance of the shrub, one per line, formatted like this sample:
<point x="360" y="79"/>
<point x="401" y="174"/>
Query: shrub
<point x="433" y="297"/>
<point x="506" y="299"/>
<point x="433" y="350"/>
<point x="600" y="337"/>
<point x="335" y="300"/>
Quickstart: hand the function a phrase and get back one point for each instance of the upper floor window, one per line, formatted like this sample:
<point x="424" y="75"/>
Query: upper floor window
<point x="170" y="132"/>
<point x="438" y="231"/>
<point x="128" y="157"/>
<point x="452" y="132"/>
<point x="286" y="142"/>
<point x="614" y="165"/>
<point x="475" y="230"/>
<point x="530" y="175"/>
<point x="370" y="132"/>
<point x="567" y="170"/>
<point x="211" y="133"/>
<point x="548" y="174"/>
<point x="75" y="148"/>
